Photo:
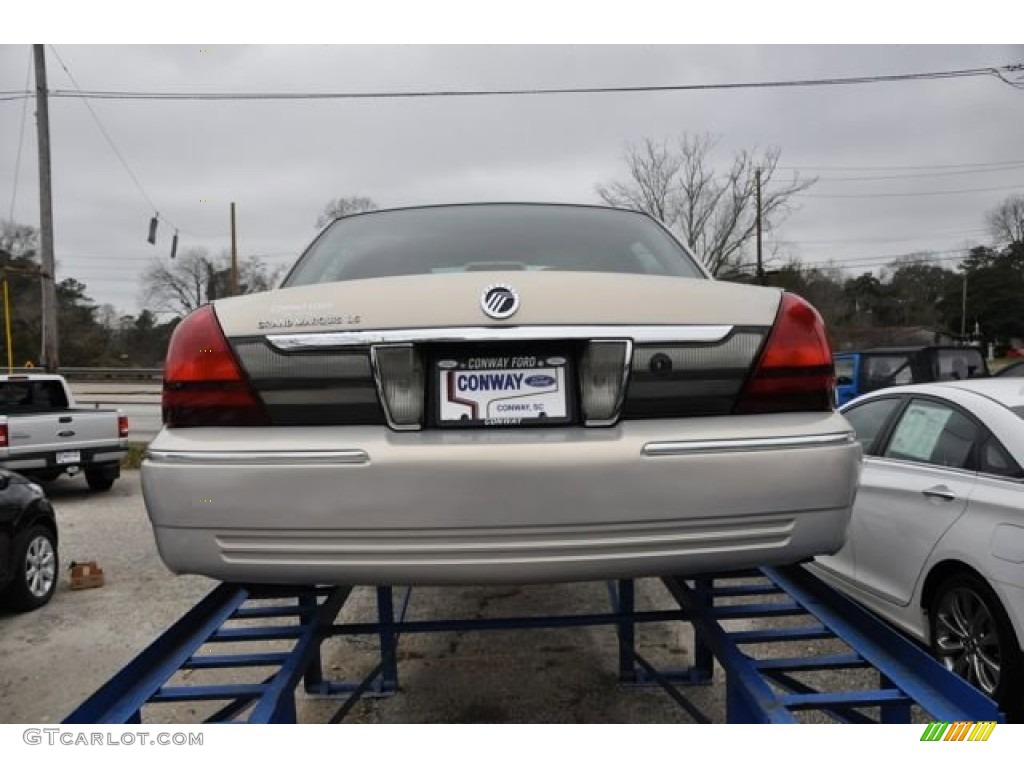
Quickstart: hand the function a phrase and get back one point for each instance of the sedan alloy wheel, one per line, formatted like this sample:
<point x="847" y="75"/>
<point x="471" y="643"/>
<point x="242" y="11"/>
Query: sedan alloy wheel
<point x="966" y="638"/>
<point x="971" y="635"/>
<point x="40" y="567"/>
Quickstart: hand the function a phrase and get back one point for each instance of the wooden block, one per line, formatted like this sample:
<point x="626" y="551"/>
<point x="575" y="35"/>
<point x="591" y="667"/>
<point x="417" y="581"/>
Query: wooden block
<point x="87" y="575"/>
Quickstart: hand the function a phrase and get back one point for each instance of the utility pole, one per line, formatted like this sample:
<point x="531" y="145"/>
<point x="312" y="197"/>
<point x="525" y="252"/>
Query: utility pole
<point x="760" y="262"/>
<point x="50" y="342"/>
<point x="234" y="255"/>
<point x="963" y="312"/>
<point x="6" y="271"/>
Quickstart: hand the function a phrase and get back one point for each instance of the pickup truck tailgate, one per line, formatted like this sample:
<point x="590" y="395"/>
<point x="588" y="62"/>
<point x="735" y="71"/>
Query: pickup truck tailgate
<point x="54" y="431"/>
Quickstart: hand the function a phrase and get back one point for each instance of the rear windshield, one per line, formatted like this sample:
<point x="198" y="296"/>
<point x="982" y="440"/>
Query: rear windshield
<point x="844" y="371"/>
<point x="960" y="364"/>
<point x="491" y="237"/>
<point x="32" y="396"/>
<point x="879" y="371"/>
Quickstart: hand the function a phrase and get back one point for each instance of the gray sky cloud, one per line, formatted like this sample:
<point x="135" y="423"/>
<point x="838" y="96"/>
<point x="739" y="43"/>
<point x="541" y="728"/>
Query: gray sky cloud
<point x="281" y="161"/>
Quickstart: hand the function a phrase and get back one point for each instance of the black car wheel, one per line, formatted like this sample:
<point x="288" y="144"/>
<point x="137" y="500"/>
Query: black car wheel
<point x="972" y="636"/>
<point x="99" y="480"/>
<point x="36" y="567"/>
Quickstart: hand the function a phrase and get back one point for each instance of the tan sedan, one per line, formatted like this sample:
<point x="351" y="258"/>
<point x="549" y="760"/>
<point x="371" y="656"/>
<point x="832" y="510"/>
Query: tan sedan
<point x="498" y="392"/>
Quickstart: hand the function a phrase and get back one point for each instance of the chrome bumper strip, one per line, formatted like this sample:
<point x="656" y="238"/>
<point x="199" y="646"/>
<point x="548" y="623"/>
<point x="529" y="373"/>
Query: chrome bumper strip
<point x="256" y="458"/>
<point x="640" y="334"/>
<point x="685" y="447"/>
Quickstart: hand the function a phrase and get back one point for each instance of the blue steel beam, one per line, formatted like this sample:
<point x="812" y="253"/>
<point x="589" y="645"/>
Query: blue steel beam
<point x="780" y="635"/>
<point x="121" y="699"/>
<point x="845" y="715"/>
<point x="756" y="610"/>
<point x="749" y="698"/>
<point x="143" y="680"/>
<point x="207" y="692"/>
<point x="278" y="702"/>
<point x="523" y="622"/>
<point x="812" y="663"/>
<point x="943" y="695"/>
<point x="228" y="661"/>
<point x="823" y="700"/>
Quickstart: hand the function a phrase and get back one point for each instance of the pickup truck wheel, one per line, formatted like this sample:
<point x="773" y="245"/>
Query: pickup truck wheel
<point x="99" y="481"/>
<point x="35" y="570"/>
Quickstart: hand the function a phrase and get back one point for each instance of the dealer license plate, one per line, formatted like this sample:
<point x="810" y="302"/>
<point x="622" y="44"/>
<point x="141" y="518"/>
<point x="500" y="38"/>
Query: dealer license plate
<point x="69" y="457"/>
<point x="502" y="390"/>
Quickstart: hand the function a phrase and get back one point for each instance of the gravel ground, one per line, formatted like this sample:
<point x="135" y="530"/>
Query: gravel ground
<point x="52" y="659"/>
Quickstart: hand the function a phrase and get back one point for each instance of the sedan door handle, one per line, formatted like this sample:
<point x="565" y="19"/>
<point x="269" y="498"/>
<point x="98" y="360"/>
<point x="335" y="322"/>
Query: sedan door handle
<point x="939" y="492"/>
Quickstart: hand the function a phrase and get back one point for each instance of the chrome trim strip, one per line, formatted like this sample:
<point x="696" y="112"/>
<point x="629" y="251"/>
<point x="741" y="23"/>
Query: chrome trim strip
<point x="279" y="458"/>
<point x="685" y="447"/>
<point x="640" y="334"/>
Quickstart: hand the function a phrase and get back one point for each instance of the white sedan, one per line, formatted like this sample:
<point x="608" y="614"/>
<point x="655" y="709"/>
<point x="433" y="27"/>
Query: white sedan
<point x="936" y="541"/>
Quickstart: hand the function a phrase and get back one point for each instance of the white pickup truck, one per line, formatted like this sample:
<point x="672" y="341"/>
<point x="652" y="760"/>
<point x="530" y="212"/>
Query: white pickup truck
<point x="43" y="434"/>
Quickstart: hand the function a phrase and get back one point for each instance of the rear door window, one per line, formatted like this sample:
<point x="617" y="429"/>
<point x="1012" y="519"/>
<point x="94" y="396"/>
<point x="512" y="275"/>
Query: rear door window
<point x="869" y="419"/>
<point x="934" y="433"/>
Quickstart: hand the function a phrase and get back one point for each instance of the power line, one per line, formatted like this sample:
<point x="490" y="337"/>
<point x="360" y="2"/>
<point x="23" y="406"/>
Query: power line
<point x="21" y="139"/>
<point x="110" y="141"/>
<point x="996" y="72"/>
<point x="897" y="167"/>
<point x="841" y="179"/>
<point x="912" y="194"/>
<point x="113" y="147"/>
<point x="876" y="261"/>
<point x="935" y="236"/>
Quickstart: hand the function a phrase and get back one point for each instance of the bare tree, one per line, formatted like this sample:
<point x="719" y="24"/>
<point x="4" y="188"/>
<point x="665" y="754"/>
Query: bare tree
<point x="713" y="212"/>
<point x="18" y="240"/>
<point x="344" y="206"/>
<point x="179" y="286"/>
<point x="1006" y="221"/>
<point x="195" y="278"/>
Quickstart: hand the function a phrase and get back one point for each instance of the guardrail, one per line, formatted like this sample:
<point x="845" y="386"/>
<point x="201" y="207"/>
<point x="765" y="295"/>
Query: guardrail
<point x="80" y="373"/>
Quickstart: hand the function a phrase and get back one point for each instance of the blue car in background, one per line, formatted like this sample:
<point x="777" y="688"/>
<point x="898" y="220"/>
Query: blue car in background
<point x="866" y="370"/>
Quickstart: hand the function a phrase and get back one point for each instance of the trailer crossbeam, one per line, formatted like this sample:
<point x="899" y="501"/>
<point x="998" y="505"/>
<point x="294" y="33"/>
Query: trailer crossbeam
<point x="280" y="631"/>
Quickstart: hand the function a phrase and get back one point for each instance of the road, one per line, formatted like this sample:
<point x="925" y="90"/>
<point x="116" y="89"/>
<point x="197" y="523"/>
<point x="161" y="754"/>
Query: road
<point x="139" y="400"/>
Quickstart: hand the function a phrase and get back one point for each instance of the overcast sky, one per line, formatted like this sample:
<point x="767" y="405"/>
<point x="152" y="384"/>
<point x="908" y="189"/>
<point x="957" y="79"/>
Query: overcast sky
<point x="280" y="162"/>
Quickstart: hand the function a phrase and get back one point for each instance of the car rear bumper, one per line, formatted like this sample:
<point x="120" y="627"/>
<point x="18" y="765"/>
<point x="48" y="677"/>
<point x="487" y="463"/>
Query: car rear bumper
<point x="22" y="461"/>
<point x="367" y="505"/>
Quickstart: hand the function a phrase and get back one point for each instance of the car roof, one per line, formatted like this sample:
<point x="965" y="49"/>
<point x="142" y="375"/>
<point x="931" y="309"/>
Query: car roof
<point x="1008" y="392"/>
<point x="904" y="350"/>
<point x="497" y="204"/>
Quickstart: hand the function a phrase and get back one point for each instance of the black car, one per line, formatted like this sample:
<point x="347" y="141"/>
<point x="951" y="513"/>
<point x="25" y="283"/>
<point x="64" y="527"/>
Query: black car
<point x="1013" y="369"/>
<point x="28" y="544"/>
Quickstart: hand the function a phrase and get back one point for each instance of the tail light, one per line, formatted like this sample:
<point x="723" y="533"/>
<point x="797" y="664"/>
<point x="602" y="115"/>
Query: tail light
<point x="203" y="383"/>
<point x="794" y="372"/>
<point x="122" y="425"/>
<point x="604" y="369"/>
<point x="398" y="370"/>
<point x="3" y="435"/>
